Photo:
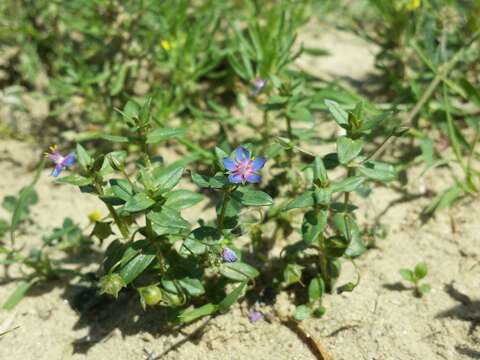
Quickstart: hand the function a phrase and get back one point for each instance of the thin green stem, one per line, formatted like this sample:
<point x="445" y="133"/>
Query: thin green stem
<point x="226" y="200"/>
<point x="113" y="213"/>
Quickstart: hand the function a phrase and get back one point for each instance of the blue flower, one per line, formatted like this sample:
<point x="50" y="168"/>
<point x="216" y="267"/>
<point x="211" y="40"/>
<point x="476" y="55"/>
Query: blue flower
<point x="255" y="316"/>
<point x="244" y="168"/>
<point x="61" y="162"/>
<point x="229" y="255"/>
<point x="258" y="85"/>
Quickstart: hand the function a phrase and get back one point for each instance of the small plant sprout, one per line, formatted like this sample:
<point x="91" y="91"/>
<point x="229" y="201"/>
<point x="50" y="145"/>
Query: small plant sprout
<point x="61" y="162"/>
<point x="414" y="276"/>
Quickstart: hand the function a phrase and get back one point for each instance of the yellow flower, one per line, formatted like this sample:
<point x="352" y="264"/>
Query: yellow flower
<point x="95" y="216"/>
<point x="166" y="45"/>
<point x="413" y="4"/>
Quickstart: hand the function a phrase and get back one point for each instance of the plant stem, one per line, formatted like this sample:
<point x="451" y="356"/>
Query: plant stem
<point x="113" y="213"/>
<point x="226" y="200"/>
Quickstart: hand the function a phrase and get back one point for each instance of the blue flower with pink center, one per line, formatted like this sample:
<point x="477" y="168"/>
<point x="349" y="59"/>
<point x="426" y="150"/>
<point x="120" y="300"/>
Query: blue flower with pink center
<point x="61" y="162"/>
<point x="244" y="168"/>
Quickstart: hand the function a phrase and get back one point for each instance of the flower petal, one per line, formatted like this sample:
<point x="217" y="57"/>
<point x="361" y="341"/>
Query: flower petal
<point x="229" y="255"/>
<point x="235" y="179"/>
<point x="229" y="164"/>
<point x="253" y="178"/>
<point x="242" y="154"/>
<point x="55" y="156"/>
<point x="258" y="163"/>
<point x="57" y="170"/>
<point x="69" y="160"/>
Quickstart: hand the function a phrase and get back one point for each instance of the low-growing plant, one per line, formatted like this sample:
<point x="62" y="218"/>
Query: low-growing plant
<point x="193" y="270"/>
<point x="415" y="276"/>
<point x="329" y="229"/>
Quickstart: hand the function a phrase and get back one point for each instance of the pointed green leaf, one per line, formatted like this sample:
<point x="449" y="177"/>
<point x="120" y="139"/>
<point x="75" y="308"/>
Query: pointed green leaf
<point x="348" y="149"/>
<point x="138" y="202"/>
<point x="314" y="222"/>
<point x="182" y="199"/>
<point x="163" y="134"/>
<point x="340" y="115"/>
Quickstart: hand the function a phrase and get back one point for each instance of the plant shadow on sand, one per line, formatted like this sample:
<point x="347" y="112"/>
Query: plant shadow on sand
<point x="467" y="310"/>
<point x="102" y="315"/>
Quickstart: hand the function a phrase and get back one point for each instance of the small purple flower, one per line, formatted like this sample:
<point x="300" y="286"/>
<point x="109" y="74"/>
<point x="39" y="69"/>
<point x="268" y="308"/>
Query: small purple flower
<point x="255" y="316"/>
<point x="61" y="162"/>
<point x="229" y="255"/>
<point x="258" y="85"/>
<point x="244" y="168"/>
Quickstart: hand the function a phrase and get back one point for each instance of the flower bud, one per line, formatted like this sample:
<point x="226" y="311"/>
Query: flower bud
<point x="112" y="284"/>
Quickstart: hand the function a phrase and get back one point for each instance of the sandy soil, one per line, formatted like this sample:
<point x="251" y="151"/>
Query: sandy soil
<point x="380" y="320"/>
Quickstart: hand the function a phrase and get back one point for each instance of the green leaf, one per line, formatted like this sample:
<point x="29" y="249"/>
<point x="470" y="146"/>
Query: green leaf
<point x="102" y="230"/>
<point x="421" y="270"/>
<point x="250" y="197"/>
<point x="136" y="266"/>
<point x="426" y="144"/>
<point x="472" y="91"/>
<point x="138" y="202"/>
<point x="300" y="113"/>
<point x="407" y="275"/>
<point x="424" y="289"/>
<point x="445" y="199"/>
<point x="167" y="180"/>
<point x="18" y="294"/>
<point x="316" y="289"/>
<point x="24" y="199"/>
<point x="314" y="222"/>
<point x="340" y="115"/>
<point x="4" y="226"/>
<point x="74" y="179"/>
<point x="323" y="196"/>
<point x="347" y="185"/>
<point x="319" y="171"/>
<point x="348" y="149"/>
<point x="302" y="312"/>
<point x="192" y="247"/>
<point x="200" y="180"/>
<point x="168" y="222"/>
<point x="307" y="199"/>
<point x="219" y="181"/>
<point x="115" y="138"/>
<point x="119" y="80"/>
<point x="130" y="112"/>
<point x="193" y="286"/>
<point x="163" y="134"/>
<point x="378" y="171"/>
<point x="84" y="159"/>
<point x="292" y="274"/>
<point x="182" y="199"/>
<point x="232" y="297"/>
<point x="121" y="188"/>
<point x="336" y="246"/>
<point x="347" y="227"/>
<point x="238" y="271"/>
<point x="191" y="315"/>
